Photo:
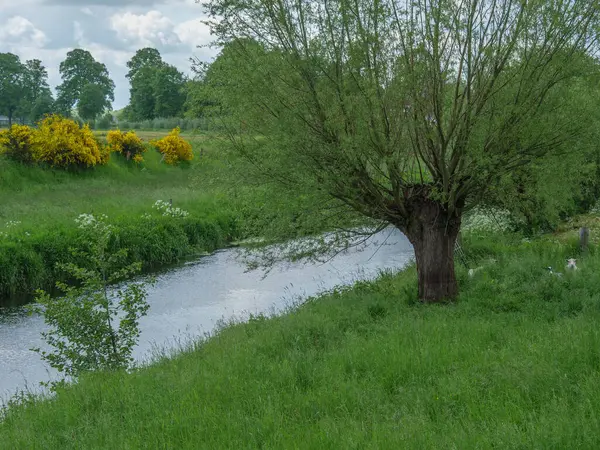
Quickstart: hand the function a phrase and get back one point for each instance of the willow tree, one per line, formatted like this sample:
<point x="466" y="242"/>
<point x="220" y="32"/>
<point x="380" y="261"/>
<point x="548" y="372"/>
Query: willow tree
<point x="407" y="111"/>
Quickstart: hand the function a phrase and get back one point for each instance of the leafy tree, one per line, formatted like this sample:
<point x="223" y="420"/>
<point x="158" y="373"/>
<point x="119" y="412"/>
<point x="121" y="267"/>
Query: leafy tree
<point x="157" y="91"/>
<point x="37" y="99"/>
<point x="143" y="100"/>
<point x="92" y="102"/>
<point x="145" y="57"/>
<point x="12" y="84"/>
<point x="405" y="111"/>
<point x="43" y="106"/>
<point x="78" y="70"/>
<point x="169" y="92"/>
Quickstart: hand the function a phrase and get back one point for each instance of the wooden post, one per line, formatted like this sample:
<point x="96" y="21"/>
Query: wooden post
<point x="584" y="238"/>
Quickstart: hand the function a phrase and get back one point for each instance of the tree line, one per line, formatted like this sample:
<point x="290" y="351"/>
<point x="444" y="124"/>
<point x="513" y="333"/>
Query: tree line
<point x="157" y="89"/>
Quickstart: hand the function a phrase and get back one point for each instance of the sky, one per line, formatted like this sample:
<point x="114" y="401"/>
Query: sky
<point x="111" y="30"/>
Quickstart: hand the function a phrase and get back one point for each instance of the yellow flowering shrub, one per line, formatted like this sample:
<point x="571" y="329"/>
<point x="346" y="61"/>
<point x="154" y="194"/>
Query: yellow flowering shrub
<point x="174" y="148"/>
<point x="16" y="143"/>
<point x="128" y="144"/>
<point x="61" y="142"/>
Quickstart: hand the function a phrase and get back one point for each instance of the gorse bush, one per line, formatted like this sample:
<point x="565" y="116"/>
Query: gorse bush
<point x="16" y="143"/>
<point x="61" y="142"/>
<point x="174" y="148"/>
<point x="127" y="144"/>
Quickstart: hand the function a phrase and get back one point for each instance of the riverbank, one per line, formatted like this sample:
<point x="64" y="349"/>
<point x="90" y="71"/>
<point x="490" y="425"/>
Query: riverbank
<point x="39" y="207"/>
<point x="513" y="364"/>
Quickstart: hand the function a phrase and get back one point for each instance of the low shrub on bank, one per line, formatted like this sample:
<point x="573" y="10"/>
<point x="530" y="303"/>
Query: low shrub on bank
<point x="127" y="144"/>
<point x="56" y="142"/>
<point x="174" y="148"/>
<point x="17" y="143"/>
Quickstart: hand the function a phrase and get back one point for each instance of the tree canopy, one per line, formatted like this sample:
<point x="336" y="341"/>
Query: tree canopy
<point x="78" y="70"/>
<point x="405" y="111"/>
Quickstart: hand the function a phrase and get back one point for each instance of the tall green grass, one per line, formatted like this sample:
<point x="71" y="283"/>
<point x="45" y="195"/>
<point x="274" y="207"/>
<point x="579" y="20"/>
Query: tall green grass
<point x="515" y="363"/>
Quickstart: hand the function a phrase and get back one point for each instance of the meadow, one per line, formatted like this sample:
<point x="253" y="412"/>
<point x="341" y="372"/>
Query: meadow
<point x="514" y="363"/>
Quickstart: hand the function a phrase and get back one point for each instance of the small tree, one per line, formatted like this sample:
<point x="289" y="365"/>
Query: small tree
<point x="405" y="111"/>
<point x="92" y="329"/>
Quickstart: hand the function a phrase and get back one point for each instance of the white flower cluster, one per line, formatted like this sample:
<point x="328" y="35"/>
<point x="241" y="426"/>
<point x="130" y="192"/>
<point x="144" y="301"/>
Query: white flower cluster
<point x="146" y="216"/>
<point x="487" y="220"/>
<point x="89" y="221"/>
<point x="168" y="210"/>
<point x="12" y="223"/>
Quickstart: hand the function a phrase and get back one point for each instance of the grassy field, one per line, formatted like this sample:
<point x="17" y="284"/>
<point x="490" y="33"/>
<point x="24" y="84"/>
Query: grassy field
<point x="515" y="363"/>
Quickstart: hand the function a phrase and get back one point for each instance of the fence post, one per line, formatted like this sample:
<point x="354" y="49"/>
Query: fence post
<point x="584" y="238"/>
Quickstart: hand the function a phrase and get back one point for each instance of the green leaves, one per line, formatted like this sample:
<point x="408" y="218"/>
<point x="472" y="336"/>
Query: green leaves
<point x="92" y="328"/>
<point x="79" y="70"/>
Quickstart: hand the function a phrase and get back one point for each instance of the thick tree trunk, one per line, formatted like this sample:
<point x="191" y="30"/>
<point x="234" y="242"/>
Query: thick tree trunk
<point x="433" y="235"/>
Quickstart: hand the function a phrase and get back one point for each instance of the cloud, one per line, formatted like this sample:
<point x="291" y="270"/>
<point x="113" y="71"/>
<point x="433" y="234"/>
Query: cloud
<point x="20" y="31"/>
<point x="193" y="33"/>
<point x="150" y="29"/>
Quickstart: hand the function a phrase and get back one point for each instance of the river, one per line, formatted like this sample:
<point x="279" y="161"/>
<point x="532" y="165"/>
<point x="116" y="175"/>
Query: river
<point x="189" y="301"/>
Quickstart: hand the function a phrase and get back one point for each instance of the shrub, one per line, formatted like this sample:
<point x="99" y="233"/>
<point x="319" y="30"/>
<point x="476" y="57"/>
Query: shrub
<point x="105" y="122"/>
<point x="174" y="148"/>
<point x="90" y="328"/>
<point x="61" y="142"/>
<point x="17" y="143"/>
<point x="127" y="144"/>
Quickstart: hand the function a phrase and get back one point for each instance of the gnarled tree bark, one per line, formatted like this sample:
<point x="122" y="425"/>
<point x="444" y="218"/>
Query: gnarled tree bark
<point x="433" y="231"/>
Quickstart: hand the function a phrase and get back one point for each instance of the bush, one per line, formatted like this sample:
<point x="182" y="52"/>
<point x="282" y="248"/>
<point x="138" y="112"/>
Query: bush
<point x="105" y="122"/>
<point x="63" y="143"/>
<point x="174" y="148"/>
<point x="127" y="144"/>
<point x="16" y="143"/>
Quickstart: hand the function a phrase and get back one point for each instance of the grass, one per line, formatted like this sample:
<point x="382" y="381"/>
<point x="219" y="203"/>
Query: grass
<point x="515" y="363"/>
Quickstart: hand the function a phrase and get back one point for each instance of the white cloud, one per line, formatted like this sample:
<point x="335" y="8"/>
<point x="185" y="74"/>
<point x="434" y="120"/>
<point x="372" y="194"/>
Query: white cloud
<point x="193" y="33"/>
<point x="148" y="29"/>
<point x="87" y="11"/>
<point x="19" y="31"/>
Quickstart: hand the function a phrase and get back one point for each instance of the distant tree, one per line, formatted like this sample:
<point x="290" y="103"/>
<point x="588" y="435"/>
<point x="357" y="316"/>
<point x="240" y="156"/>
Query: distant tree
<point x="78" y="70"/>
<point x="42" y="106"/>
<point x="408" y="111"/>
<point x="37" y="99"/>
<point x="145" y="57"/>
<point x="157" y="89"/>
<point x="142" y="94"/>
<point x="12" y="85"/>
<point x="92" y="102"/>
<point x="169" y="92"/>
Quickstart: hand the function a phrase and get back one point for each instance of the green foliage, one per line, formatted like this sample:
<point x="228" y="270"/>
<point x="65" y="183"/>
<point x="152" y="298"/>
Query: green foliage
<point x="168" y="123"/>
<point x="514" y="364"/>
<point x="77" y="71"/>
<point x="12" y="73"/>
<point x="92" y="329"/>
<point x="92" y="102"/>
<point x="105" y="122"/>
<point x="157" y="88"/>
<point x="144" y="57"/>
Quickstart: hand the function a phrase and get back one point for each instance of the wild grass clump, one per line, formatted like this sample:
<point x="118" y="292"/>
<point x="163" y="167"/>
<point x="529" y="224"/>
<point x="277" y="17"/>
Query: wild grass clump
<point x="513" y="363"/>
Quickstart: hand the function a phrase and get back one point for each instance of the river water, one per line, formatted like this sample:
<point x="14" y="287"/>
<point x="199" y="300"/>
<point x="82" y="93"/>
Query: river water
<point x="189" y="301"/>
